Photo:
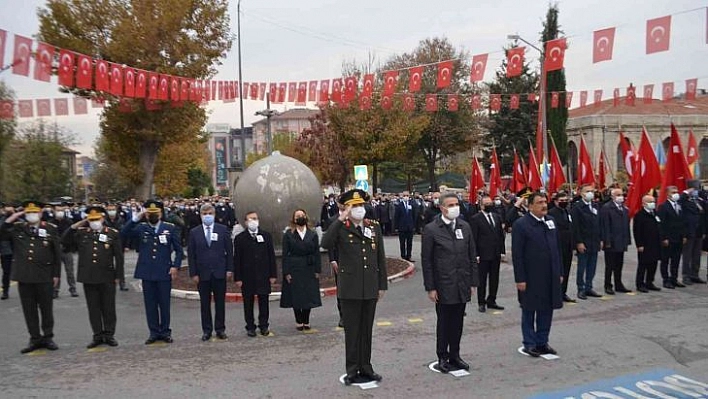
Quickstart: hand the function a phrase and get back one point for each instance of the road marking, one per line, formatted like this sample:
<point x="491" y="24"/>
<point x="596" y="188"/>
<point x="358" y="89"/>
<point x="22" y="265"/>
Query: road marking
<point x="415" y="320"/>
<point x="158" y="344"/>
<point x="39" y="352"/>
<point x="310" y="331"/>
<point x="605" y="298"/>
<point x="631" y="293"/>
<point x="497" y="312"/>
<point x="571" y="303"/>
<point x="383" y="323"/>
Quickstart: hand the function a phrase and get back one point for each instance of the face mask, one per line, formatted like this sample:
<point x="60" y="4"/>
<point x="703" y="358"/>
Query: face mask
<point x="153" y="219"/>
<point x="301" y="221"/>
<point x="675" y="197"/>
<point x="358" y="213"/>
<point x="488" y="208"/>
<point x="589" y="196"/>
<point x="563" y="204"/>
<point x="111" y="213"/>
<point x="619" y="199"/>
<point x="453" y="213"/>
<point x="694" y="194"/>
<point x="32" y="218"/>
<point x="96" y="225"/>
<point x="59" y="215"/>
<point x="436" y="201"/>
<point x="252" y="226"/>
<point x="208" y="219"/>
<point x="651" y="205"/>
<point x="497" y="202"/>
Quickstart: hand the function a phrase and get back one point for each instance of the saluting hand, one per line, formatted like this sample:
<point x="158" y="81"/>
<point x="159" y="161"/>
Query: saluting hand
<point x="345" y="214"/>
<point x="12" y="218"/>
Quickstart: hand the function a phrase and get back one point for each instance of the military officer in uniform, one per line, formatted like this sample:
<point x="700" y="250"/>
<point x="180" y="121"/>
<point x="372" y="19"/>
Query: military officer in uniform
<point x="156" y="241"/>
<point x="36" y="268"/>
<point x="361" y="281"/>
<point x="100" y="268"/>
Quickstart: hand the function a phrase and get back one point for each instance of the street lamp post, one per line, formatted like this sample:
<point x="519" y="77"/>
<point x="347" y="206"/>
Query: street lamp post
<point x="268" y="113"/>
<point x="242" y="155"/>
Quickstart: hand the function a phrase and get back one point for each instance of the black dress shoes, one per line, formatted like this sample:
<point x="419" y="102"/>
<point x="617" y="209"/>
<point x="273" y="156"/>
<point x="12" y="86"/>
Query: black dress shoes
<point x="669" y="285"/>
<point x="31" y="348"/>
<point x="4" y="295"/>
<point x="581" y="295"/>
<point x="642" y="289"/>
<point x="608" y="291"/>
<point x="533" y="352"/>
<point x="444" y="366"/>
<point x="680" y="285"/>
<point x="221" y="335"/>
<point x="251" y="333"/>
<point x="459" y="363"/>
<point x="482" y="308"/>
<point x="266" y="332"/>
<point x="49" y="344"/>
<point x="566" y="298"/>
<point x="94" y="343"/>
<point x="206" y="337"/>
<point x="623" y="290"/>
<point x="110" y="341"/>
<point x="546" y="350"/>
<point x="687" y="281"/>
<point x="74" y="294"/>
<point x="168" y="339"/>
<point x="592" y="293"/>
<point x="150" y="341"/>
<point x="371" y="376"/>
<point x="652" y="287"/>
<point x="353" y="379"/>
<point x="123" y="287"/>
<point x="495" y="306"/>
<point x="698" y="280"/>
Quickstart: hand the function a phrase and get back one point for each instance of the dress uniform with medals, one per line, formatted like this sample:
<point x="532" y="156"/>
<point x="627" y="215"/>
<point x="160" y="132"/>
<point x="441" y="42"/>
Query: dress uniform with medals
<point x="36" y="268"/>
<point x="156" y="240"/>
<point x="100" y="267"/>
<point x="360" y="282"/>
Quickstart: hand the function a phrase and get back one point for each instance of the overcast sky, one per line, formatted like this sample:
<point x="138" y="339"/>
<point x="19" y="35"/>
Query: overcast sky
<point x="302" y="40"/>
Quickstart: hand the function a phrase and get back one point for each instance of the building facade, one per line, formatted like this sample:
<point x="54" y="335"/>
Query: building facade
<point x="292" y="121"/>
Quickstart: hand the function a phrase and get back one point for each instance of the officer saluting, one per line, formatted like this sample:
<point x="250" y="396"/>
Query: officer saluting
<point x="36" y="267"/>
<point x="361" y="281"/>
<point x="100" y="268"/>
<point x="156" y="240"/>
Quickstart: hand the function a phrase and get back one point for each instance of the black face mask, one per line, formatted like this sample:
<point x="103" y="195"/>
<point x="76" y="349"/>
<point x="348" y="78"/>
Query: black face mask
<point x="563" y="204"/>
<point x="488" y="208"/>
<point x="153" y="219"/>
<point x="301" y="221"/>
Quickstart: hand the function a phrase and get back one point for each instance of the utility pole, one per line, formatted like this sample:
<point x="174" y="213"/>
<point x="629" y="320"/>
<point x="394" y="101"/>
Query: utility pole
<point x="268" y="113"/>
<point x="242" y="155"/>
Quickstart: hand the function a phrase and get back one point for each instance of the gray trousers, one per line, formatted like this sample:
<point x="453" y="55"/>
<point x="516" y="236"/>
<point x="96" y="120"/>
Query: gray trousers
<point x="691" y="257"/>
<point x="67" y="258"/>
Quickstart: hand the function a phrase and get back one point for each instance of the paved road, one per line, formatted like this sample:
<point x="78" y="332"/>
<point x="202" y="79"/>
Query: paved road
<point x="597" y="339"/>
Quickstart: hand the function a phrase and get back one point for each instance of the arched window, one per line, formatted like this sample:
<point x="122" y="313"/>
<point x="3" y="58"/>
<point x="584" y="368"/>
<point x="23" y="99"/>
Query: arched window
<point x="572" y="161"/>
<point x="703" y="160"/>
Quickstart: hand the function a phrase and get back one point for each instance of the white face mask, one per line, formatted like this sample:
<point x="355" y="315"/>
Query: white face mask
<point x="252" y="225"/>
<point x="96" y="225"/>
<point x="453" y="213"/>
<point x="675" y="197"/>
<point x="111" y="213"/>
<point x="619" y="199"/>
<point x="436" y="201"/>
<point x="497" y="202"/>
<point x="589" y="196"/>
<point x="651" y="205"/>
<point x="358" y="213"/>
<point x="59" y="215"/>
<point x="32" y="218"/>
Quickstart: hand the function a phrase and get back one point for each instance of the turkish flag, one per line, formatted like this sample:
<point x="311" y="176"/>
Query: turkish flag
<point x="667" y="91"/>
<point x="479" y="66"/>
<point x="408" y="102"/>
<point x="116" y="80"/>
<point x="495" y="102"/>
<point x="676" y="171"/>
<point x="273" y="92"/>
<point x="61" y="106"/>
<point x="495" y="181"/>
<point x="534" y="173"/>
<point x="476" y="102"/>
<point x="583" y="98"/>
<point x="43" y="62"/>
<point x="184" y="90"/>
<point x="692" y="154"/>
<point x="301" y="93"/>
<point x="165" y="87"/>
<point x="254" y="91"/>
<point x="262" y="90"/>
<point x="555" y="54"/>
<point x="221" y="90"/>
<point x="476" y="180"/>
<point x="3" y="40"/>
<point x="568" y="99"/>
<point x="80" y="106"/>
<point x="44" y="107"/>
<point x="26" y="108"/>
<point x="597" y="97"/>
<point x="390" y="79"/>
<point x="292" y="92"/>
<point x="431" y="102"/>
<point x="514" y="61"/>
<point x="312" y="92"/>
<point x="174" y="88"/>
<point x="368" y="88"/>
<point x="555" y="99"/>
<point x="364" y="102"/>
<point x="337" y="90"/>
<point x="514" y="101"/>
<point x="66" y="67"/>
<point x="627" y="154"/>
<point x="282" y="91"/>
<point x="532" y="97"/>
<point x="445" y="74"/>
<point x="616" y="97"/>
<point x="453" y="102"/>
<point x="129" y="79"/>
<point x="21" y="56"/>
<point x="586" y="175"/>
<point x="153" y="84"/>
<point x="647" y="176"/>
<point x="141" y="84"/>
<point x="350" y="88"/>
<point x="648" y="93"/>
<point x="557" y="177"/>
<point x="631" y="95"/>
<point x="386" y="102"/>
<point x="658" y="34"/>
<point x="7" y="107"/>
<point x="604" y="42"/>
<point x="518" y="180"/>
<point x="691" y="89"/>
<point x="601" y="171"/>
<point x="415" y="79"/>
<point x="324" y="91"/>
<point x="103" y="79"/>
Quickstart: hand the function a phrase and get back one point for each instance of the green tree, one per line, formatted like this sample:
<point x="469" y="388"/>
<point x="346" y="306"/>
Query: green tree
<point x="7" y="130"/>
<point x="556" y="118"/>
<point x="198" y="181"/>
<point x="178" y="37"/>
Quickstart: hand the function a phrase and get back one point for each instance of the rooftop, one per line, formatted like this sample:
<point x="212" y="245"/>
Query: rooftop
<point x="295" y="113"/>
<point x="677" y="106"/>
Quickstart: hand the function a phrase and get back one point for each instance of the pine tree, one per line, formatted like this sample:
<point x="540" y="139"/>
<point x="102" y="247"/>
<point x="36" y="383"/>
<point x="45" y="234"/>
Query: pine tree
<point x="556" y="118"/>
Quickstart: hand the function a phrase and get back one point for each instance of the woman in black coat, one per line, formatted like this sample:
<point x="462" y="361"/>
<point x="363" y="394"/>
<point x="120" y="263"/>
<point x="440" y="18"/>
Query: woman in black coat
<point x="301" y="270"/>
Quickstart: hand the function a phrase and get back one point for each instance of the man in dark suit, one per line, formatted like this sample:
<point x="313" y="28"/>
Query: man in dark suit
<point x="37" y="268"/>
<point x="450" y="274"/>
<point x="586" y="236"/>
<point x="100" y="268"/>
<point x="156" y="241"/>
<point x="537" y="272"/>
<point x="693" y="208"/>
<point x="405" y="217"/>
<point x="361" y="281"/>
<point x="614" y="235"/>
<point x="564" y="227"/>
<point x="518" y="209"/>
<point x="672" y="230"/>
<point x="211" y="262"/>
<point x="329" y="210"/>
<point x="255" y="271"/>
<point x="488" y="236"/>
<point x="433" y="210"/>
<point x="646" y="237"/>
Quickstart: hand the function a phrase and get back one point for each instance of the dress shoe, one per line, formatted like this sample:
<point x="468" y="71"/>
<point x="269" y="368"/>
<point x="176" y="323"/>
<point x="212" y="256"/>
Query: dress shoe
<point x="50" y="344"/>
<point x="495" y="307"/>
<point x="566" y="298"/>
<point x="687" y="281"/>
<point x="623" y="290"/>
<point x="669" y="285"/>
<point x="30" y="348"/>
<point x="94" y="343"/>
<point x="482" y="308"/>
<point x="206" y="337"/>
<point x="353" y="379"/>
<point x="444" y="366"/>
<point x="581" y="295"/>
<point x="300" y="328"/>
<point x="55" y="295"/>
<point x="4" y="295"/>
<point x="74" y="294"/>
<point x="123" y="287"/>
<point x="652" y="287"/>
<point x="265" y="332"/>
<point x="679" y="285"/>
<point x="371" y="376"/>
<point x="533" y="352"/>
<point x="592" y="293"/>
<point x="168" y="339"/>
<point x="459" y="363"/>
<point x="642" y="289"/>
<point x="110" y="341"/>
<point x="221" y="335"/>
<point x="150" y="341"/>
<point x="698" y="280"/>
<point x="608" y="291"/>
<point x="251" y="333"/>
<point x="546" y="350"/>
<point x="306" y="327"/>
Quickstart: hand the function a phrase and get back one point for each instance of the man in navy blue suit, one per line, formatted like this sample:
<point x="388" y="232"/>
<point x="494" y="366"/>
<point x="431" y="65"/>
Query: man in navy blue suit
<point x="405" y="217"/>
<point x="211" y="261"/>
<point x="156" y="241"/>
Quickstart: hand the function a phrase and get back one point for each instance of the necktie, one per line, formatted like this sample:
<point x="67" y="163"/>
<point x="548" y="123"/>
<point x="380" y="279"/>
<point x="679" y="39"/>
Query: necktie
<point x="208" y="236"/>
<point x="359" y="229"/>
<point x="491" y="221"/>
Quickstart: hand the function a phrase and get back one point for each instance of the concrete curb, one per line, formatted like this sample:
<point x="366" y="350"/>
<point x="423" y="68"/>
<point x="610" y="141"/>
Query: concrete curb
<point x="275" y="296"/>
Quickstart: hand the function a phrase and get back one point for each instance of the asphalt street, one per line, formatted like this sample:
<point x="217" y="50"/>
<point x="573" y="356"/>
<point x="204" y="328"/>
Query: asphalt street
<point x="597" y="339"/>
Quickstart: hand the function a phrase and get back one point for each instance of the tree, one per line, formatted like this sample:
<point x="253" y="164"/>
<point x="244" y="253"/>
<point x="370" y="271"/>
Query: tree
<point x="178" y="37"/>
<point x="7" y="130"/>
<point x="556" y="118"/>
<point x="198" y="181"/>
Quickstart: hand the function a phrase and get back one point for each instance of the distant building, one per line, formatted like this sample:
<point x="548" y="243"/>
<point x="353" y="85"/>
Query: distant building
<point x="292" y="121"/>
<point x="85" y="166"/>
<point x="225" y="149"/>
